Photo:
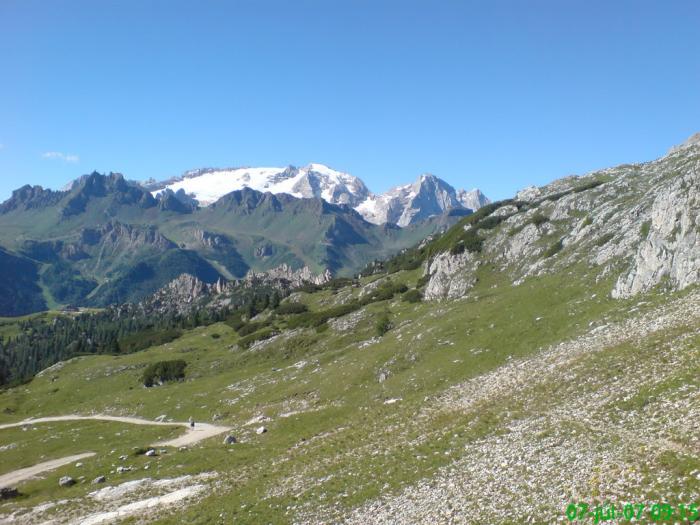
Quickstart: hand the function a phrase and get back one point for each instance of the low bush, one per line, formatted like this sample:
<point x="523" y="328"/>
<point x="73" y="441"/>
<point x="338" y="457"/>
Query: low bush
<point x="383" y="324"/>
<point x="291" y="309"/>
<point x="554" y="249"/>
<point x="309" y="319"/>
<point x="235" y="321"/>
<point x="605" y="239"/>
<point x="164" y="371"/>
<point x="254" y="326"/>
<point x="412" y="296"/>
<point x="146" y="339"/>
<point x="248" y="340"/>
<point x="538" y="219"/>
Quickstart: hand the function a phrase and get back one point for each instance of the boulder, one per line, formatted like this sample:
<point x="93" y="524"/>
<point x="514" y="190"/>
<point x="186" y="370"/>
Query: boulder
<point x="66" y="481"/>
<point x="229" y="440"/>
<point x="99" y="479"/>
<point x="260" y="430"/>
<point x="150" y="453"/>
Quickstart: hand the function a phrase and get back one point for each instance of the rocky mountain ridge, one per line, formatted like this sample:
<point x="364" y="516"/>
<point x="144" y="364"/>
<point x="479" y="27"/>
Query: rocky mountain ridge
<point x="185" y="293"/>
<point x="636" y="221"/>
<point x="401" y="205"/>
<point x="106" y="240"/>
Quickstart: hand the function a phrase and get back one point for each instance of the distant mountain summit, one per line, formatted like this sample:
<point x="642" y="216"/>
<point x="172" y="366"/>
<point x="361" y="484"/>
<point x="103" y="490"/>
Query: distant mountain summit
<point x="403" y="205"/>
<point x="411" y="203"/>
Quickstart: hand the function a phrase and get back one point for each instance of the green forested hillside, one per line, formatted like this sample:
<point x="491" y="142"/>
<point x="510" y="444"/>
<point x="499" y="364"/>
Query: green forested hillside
<point x="19" y="289"/>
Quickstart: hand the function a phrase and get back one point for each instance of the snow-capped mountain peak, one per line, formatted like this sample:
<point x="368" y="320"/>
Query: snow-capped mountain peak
<point x="402" y="205"/>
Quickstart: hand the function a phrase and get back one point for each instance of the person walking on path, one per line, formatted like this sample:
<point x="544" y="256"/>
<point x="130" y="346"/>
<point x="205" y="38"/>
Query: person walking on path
<point x="191" y="422"/>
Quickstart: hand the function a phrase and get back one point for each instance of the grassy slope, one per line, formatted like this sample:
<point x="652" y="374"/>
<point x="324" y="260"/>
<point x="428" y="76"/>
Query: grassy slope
<point x="333" y="443"/>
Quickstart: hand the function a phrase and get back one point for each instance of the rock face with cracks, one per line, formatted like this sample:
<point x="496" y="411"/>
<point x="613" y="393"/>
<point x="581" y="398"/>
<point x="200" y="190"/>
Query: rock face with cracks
<point x="639" y="222"/>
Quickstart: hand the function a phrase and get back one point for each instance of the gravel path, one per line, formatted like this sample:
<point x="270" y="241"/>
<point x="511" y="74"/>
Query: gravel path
<point x="11" y="479"/>
<point x="194" y="435"/>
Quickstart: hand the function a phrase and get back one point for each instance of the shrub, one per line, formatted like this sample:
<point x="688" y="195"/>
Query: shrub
<point x="163" y="371"/>
<point x="249" y="328"/>
<point x="457" y="248"/>
<point x="383" y="324"/>
<point x="412" y="296"/>
<point x="248" y="340"/>
<point x="554" y="249"/>
<point x="383" y="293"/>
<point x="538" y="219"/>
<point x="235" y="321"/>
<point x="587" y="221"/>
<point x="588" y="186"/>
<point x="420" y="283"/>
<point x="291" y="309"/>
<point x="605" y="239"/>
<point x="147" y="338"/>
<point x="644" y="230"/>
<point x="491" y="222"/>
<point x="337" y="283"/>
<point x="309" y="288"/>
<point x="308" y="319"/>
<point x="472" y="242"/>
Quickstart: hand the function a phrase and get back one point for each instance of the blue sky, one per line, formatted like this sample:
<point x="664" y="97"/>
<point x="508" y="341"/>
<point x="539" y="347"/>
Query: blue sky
<point x="497" y="94"/>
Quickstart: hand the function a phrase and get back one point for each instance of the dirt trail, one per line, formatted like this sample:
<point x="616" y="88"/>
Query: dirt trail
<point x="194" y="435"/>
<point x="11" y="479"/>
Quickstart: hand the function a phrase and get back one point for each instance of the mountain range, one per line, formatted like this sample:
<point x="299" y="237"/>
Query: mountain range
<point x="106" y="240"/>
<point x="402" y="205"/>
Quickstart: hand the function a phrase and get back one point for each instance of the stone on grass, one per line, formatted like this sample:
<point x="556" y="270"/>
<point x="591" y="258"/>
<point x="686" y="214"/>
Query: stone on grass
<point x="66" y="481"/>
<point x="229" y="440"/>
<point x="261" y="430"/>
<point x="150" y="453"/>
<point x="99" y="479"/>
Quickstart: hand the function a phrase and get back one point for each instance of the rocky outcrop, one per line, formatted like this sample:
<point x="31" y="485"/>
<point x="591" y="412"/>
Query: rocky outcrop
<point x="638" y="222"/>
<point x="129" y="237"/>
<point x="187" y="292"/>
<point x="670" y="250"/>
<point x="450" y="276"/>
<point x="293" y="278"/>
<point x="182" y="294"/>
<point x="694" y="140"/>
<point x="211" y="240"/>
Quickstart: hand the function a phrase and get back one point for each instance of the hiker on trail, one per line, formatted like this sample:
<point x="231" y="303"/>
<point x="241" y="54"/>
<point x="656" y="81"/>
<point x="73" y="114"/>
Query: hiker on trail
<point x="191" y="422"/>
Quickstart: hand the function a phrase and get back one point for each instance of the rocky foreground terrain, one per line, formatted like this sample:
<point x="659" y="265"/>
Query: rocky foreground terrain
<point x="595" y="418"/>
